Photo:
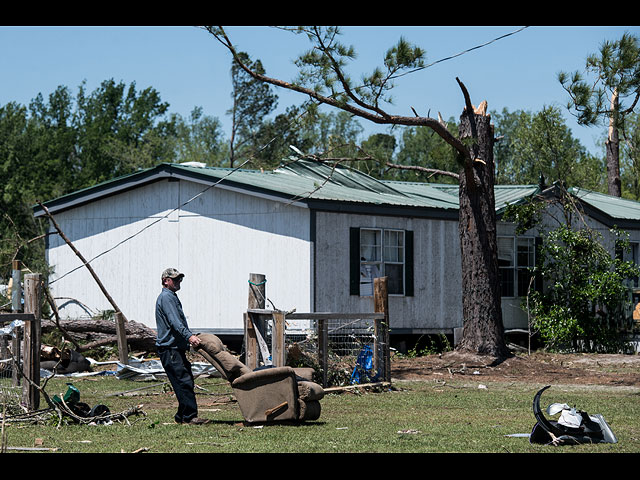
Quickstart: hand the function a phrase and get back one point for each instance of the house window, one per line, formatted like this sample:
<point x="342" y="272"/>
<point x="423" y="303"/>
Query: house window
<point x="631" y="256"/>
<point x="381" y="252"/>
<point x="516" y="258"/>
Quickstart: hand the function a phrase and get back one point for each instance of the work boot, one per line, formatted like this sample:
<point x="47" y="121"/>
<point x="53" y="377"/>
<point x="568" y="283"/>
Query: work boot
<point x="196" y="421"/>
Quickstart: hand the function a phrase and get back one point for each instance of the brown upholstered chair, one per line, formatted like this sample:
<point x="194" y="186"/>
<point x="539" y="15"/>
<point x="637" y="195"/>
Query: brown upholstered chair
<point x="265" y="395"/>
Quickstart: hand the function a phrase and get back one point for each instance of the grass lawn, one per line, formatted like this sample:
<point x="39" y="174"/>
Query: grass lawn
<point x="411" y="417"/>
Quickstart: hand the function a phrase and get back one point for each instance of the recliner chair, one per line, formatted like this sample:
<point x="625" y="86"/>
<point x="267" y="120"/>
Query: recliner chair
<point x="271" y="394"/>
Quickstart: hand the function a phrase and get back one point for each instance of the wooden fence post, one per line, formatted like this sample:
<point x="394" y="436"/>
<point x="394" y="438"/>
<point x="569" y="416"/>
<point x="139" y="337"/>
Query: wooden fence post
<point x="16" y="306"/>
<point x="32" y="329"/>
<point x="257" y="295"/>
<point x="323" y="348"/>
<point x="382" y="358"/>
<point x="121" y="333"/>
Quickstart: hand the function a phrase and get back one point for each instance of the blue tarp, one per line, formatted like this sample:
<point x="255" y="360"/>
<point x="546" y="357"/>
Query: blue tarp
<point x="364" y="371"/>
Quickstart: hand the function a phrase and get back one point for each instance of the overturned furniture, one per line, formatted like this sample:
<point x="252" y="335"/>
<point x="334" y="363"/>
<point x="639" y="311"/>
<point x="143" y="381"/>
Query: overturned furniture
<point x="272" y="394"/>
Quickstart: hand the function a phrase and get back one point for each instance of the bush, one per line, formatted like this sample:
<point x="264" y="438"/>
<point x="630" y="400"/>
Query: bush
<point x="586" y="301"/>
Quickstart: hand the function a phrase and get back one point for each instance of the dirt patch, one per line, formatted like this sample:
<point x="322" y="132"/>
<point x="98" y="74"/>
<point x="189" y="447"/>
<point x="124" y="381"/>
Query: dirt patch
<point x="581" y="369"/>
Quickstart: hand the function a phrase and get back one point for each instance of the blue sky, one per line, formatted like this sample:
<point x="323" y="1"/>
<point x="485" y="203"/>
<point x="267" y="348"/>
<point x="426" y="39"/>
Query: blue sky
<point x="189" y="68"/>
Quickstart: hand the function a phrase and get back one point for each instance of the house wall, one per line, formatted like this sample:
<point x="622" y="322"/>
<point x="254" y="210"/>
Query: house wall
<point x="514" y="313"/>
<point x="436" y="306"/>
<point x="217" y="240"/>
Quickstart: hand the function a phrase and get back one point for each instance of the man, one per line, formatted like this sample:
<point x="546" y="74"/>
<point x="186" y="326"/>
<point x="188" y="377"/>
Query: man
<point x="174" y="339"/>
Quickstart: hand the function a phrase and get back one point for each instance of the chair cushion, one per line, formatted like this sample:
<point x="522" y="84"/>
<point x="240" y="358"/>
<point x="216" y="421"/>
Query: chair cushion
<point x="228" y="365"/>
<point x="261" y="391"/>
<point x="310" y="391"/>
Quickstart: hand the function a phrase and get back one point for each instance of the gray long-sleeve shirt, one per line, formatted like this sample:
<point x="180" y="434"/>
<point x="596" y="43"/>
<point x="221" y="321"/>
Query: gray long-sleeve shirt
<point x="171" y="322"/>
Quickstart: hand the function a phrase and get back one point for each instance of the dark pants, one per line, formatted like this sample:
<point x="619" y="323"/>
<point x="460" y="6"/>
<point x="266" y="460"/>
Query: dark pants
<point x="178" y="370"/>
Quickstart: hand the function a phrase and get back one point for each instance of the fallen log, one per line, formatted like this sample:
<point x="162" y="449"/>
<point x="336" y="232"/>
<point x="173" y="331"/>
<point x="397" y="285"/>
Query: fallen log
<point x="97" y="332"/>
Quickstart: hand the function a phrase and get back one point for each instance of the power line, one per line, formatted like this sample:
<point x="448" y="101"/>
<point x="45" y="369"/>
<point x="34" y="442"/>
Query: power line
<point x="461" y="53"/>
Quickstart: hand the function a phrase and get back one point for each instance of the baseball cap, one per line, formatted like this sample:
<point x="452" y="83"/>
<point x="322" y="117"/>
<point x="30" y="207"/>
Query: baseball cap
<point x="171" y="273"/>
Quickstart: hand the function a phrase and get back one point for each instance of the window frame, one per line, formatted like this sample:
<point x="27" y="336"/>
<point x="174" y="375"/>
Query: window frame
<point x="515" y="266"/>
<point x="405" y="243"/>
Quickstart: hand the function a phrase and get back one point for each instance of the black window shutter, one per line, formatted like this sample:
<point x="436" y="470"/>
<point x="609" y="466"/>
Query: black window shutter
<point x="354" y="261"/>
<point x="408" y="263"/>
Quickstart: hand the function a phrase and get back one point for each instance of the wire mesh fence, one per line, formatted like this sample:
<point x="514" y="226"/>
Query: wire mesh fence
<point x="343" y="349"/>
<point x="10" y="385"/>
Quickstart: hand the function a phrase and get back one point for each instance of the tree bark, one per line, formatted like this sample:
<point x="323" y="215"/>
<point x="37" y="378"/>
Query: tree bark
<point x="483" y="331"/>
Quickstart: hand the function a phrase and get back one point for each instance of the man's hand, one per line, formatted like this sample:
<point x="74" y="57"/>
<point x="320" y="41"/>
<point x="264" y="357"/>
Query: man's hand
<point x="194" y="340"/>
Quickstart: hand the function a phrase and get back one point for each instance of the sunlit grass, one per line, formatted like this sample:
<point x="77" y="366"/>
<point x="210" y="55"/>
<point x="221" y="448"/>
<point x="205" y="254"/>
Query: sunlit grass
<point x="412" y="417"/>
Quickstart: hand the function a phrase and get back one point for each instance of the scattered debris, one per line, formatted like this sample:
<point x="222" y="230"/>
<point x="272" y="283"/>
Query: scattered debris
<point x="572" y="428"/>
<point x="140" y="369"/>
<point x="63" y="361"/>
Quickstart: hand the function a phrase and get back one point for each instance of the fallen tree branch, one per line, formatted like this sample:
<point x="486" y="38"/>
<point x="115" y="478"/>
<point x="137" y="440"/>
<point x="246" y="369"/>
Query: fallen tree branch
<point x="81" y="257"/>
<point x="432" y="171"/>
<point x="101" y="332"/>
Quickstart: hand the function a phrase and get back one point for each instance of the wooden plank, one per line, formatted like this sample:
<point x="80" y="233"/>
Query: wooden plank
<point x="354" y="387"/>
<point x="16" y="378"/>
<point x="10" y="317"/>
<point x="335" y="316"/>
<point x="250" y="343"/>
<point x="278" y="340"/>
<point x="322" y="315"/>
<point x="256" y="302"/>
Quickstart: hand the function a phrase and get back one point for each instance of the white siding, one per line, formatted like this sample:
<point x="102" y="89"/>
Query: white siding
<point x="217" y="240"/>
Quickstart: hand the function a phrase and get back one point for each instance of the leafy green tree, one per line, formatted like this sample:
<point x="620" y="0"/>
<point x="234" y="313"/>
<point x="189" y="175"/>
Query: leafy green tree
<point x="540" y="143"/>
<point x="380" y="147"/>
<point x="273" y="141"/>
<point x="581" y="299"/>
<point x="114" y="113"/>
<point x="586" y="300"/>
<point x="252" y="102"/>
<point x="24" y="178"/>
<point x="422" y="147"/>
<point x="199" y="138"/>
<point x="609" y="92"/>
<point x="65" y="143"/>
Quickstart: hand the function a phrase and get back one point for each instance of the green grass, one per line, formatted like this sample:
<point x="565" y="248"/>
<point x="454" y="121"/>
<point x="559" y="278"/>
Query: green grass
<point x="457" y="417"/>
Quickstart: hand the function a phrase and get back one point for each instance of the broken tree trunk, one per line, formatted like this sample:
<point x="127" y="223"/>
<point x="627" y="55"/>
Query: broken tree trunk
<point x="483" y="331"/>
<point x="98" y="332"/>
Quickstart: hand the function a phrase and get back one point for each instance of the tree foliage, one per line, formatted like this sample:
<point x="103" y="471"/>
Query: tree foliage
<point x="540" y="144"/>
<point x="586" y="300"/>
<point x="252" y="101"/>
<point x="609" y="91"/>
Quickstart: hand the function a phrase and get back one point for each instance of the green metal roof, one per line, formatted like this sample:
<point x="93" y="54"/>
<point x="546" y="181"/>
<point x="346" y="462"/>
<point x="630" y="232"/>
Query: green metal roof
<point x="308" y="180"/>
<point x="615" y="207"/>
<point x="312" y="182"/>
